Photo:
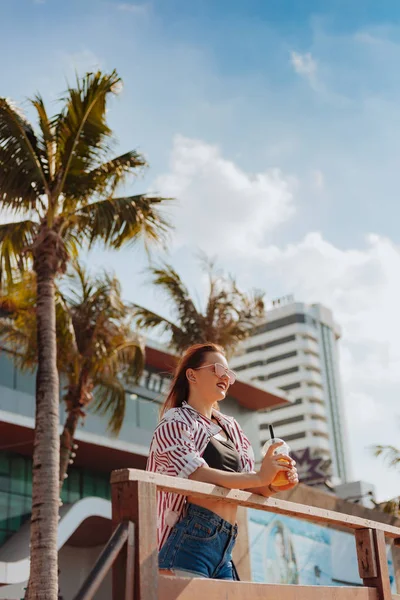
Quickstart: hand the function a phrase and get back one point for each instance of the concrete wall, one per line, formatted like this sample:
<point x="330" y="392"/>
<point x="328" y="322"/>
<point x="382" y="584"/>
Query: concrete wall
<point x="74" y="564"/>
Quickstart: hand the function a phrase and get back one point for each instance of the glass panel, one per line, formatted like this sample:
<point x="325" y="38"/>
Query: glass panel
<point x="89" y="487"/>
<point x="3" y="536"/>
<point x="131" y="411"/>
<point x="18" y="475"/>
<point x="4" y="463"/>
<point x="16" y="512"/>
<point x="28" y="478"/>
<point x="25" y="382"/>
<point x="3" y="510"/>
<point x="4" y="483"/>
<point x="74" y="485"/>
<point x="101" y="488"/>
<point x="148" y="414"/>
<point x="6" y="371"/>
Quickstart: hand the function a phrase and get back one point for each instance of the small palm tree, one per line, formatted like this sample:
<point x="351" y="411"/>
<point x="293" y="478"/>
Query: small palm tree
<point x="96" y="348"/>
<point x="391" y="455"/>
<point x="59" y="183"/>
<point x="228" y="318"/>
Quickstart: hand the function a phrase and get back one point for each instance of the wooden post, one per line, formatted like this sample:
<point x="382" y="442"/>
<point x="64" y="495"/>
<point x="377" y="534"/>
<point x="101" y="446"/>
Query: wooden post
<point x="396" y="563"/>
<point x="241" y="550"/>
<point x="372" y="561"/>
<point x="136" y="501"/>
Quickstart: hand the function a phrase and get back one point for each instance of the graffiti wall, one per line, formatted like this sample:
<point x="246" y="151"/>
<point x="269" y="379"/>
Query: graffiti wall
<point x="287" y="550"/>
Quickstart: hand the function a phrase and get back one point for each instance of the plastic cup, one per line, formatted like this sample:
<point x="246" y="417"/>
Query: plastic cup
<point x="281" y="478"/>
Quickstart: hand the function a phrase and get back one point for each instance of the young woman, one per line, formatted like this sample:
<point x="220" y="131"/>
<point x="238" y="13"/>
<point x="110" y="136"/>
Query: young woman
<point x="194" y="440"/>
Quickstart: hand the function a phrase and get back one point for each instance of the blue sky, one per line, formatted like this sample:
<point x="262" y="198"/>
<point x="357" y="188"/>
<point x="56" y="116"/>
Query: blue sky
<point x="276" y="126"/>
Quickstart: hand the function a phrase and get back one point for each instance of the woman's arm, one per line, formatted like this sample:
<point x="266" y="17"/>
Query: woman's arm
<point x="259" y="480"/>
<point x="234" y="481"/>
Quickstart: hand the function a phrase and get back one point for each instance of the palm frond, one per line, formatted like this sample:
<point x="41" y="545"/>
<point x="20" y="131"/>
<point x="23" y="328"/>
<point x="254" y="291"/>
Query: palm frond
<point x="82" y="132"/>
<point x="229" y="315"/>
<point x="22" y="168"/>
<point x="110" y="401"/>
<point x="127" y="359"/>
<point x="48" y="143"/>
<point x="18" y="327"/>
<point x="119" y="220"/>
<point x="146" y="319"/>
<point x="168" y="279"/>
<point x="390" y="454"/>
<point x="104" y="179"/>
<point x="15" y="238"/>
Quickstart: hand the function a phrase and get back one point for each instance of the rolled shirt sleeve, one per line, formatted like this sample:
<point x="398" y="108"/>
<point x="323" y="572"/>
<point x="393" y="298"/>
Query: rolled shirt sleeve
<point x="176" y="449"/>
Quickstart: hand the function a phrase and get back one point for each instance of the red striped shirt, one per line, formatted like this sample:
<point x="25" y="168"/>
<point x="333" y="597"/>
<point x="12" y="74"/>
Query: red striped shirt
<point x="176" y="449"/>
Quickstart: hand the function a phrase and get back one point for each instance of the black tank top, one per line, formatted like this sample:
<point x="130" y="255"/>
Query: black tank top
<point x="222" y="454"/>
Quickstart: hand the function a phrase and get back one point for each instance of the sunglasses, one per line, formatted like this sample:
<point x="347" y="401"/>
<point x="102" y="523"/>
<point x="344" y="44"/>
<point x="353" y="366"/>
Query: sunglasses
<point x="220" y="371"/>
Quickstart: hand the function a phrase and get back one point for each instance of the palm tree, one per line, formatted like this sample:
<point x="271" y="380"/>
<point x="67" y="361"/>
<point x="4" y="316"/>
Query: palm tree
<point x="96" y="348"/>
<point x="388" y="453"/>
<point x="59" y="183"/>
<point x="228" y="318"/>
<point x="391" y="455"/>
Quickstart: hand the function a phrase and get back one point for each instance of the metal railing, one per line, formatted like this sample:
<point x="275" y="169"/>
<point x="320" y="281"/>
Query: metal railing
<point x="123" y="534"/>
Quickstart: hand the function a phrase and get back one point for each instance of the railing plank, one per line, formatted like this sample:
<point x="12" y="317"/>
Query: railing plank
<point x="205" y="490"/>
<point x="177" y="588"/>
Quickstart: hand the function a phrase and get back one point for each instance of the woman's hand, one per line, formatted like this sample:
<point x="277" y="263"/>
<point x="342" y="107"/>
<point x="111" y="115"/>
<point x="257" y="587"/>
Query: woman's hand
<point x="293" y="480"/>
<point x="272" y="464"/>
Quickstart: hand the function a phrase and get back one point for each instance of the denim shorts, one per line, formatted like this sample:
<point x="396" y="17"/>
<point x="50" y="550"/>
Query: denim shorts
<point x="200" y="544"/>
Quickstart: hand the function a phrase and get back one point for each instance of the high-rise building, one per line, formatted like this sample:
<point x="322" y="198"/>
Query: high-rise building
<point x="296" y="350"/>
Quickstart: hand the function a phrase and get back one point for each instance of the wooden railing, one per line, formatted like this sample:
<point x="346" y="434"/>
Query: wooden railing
<point x="134" y="500"/>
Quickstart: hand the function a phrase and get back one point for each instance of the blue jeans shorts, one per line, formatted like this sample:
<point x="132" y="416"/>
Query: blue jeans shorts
<point x="200" y="545"/>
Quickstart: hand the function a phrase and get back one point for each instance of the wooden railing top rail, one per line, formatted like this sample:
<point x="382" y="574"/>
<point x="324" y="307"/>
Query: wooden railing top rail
<point x="201" y="490"/>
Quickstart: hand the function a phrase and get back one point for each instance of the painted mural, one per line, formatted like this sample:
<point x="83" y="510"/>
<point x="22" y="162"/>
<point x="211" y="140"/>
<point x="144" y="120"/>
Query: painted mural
<point x="288" y="550"/>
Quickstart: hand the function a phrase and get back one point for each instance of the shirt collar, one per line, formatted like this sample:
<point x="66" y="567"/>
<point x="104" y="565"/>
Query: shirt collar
<point x="213" y="427"/>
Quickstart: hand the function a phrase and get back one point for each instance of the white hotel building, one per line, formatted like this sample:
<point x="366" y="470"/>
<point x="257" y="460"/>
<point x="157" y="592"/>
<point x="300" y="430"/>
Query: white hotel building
<point x="296" y="350"/>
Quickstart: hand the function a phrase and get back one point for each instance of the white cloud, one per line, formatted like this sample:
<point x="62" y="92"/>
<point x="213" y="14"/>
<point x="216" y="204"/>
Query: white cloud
<point x="221" y="204"/>
<point x="362" y="287"/>
<point x="304" y="65"/>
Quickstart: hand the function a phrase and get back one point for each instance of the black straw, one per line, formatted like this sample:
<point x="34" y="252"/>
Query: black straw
<point x="271" y="432"/>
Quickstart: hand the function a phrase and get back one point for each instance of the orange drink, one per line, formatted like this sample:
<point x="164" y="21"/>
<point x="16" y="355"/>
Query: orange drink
<point x="280" y="478"/>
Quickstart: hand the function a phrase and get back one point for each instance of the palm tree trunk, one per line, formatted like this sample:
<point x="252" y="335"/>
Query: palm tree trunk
<point x="66" y="443"/>
<point x="43" y="582"/>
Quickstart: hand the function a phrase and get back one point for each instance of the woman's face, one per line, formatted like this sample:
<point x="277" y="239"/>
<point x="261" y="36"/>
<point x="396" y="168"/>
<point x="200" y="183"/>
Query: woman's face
<point x="207" y="383"/>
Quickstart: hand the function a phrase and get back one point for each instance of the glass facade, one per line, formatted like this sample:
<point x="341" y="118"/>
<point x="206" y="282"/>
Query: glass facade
<point x="16" y="490"/>
<point x="11" y="378"/>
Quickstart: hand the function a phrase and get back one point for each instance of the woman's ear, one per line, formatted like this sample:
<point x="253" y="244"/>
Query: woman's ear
<point x="190" y="375"/>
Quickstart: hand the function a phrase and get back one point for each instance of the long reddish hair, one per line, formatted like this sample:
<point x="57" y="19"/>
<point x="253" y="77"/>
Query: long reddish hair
<point x="193" y="358"/>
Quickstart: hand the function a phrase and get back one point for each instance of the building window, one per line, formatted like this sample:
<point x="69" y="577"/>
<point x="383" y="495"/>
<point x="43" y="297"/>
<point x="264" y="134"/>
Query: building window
<point x="318" y="418"/>
<point x="291" y="386"/>
<point x="257" y="363"/>
<point x="281" y="357"/>
<point x="296" y="402"/>
<point x="291" y="437"/>
<point x="278" y="342"/>
<point x="283" y="372"/>
<point x="287" y="421"/>
<point x="284" y="322"/>
<point x="16" y="490"/>
<point x="261" y="363"/>
<point x="320" y="434"/>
